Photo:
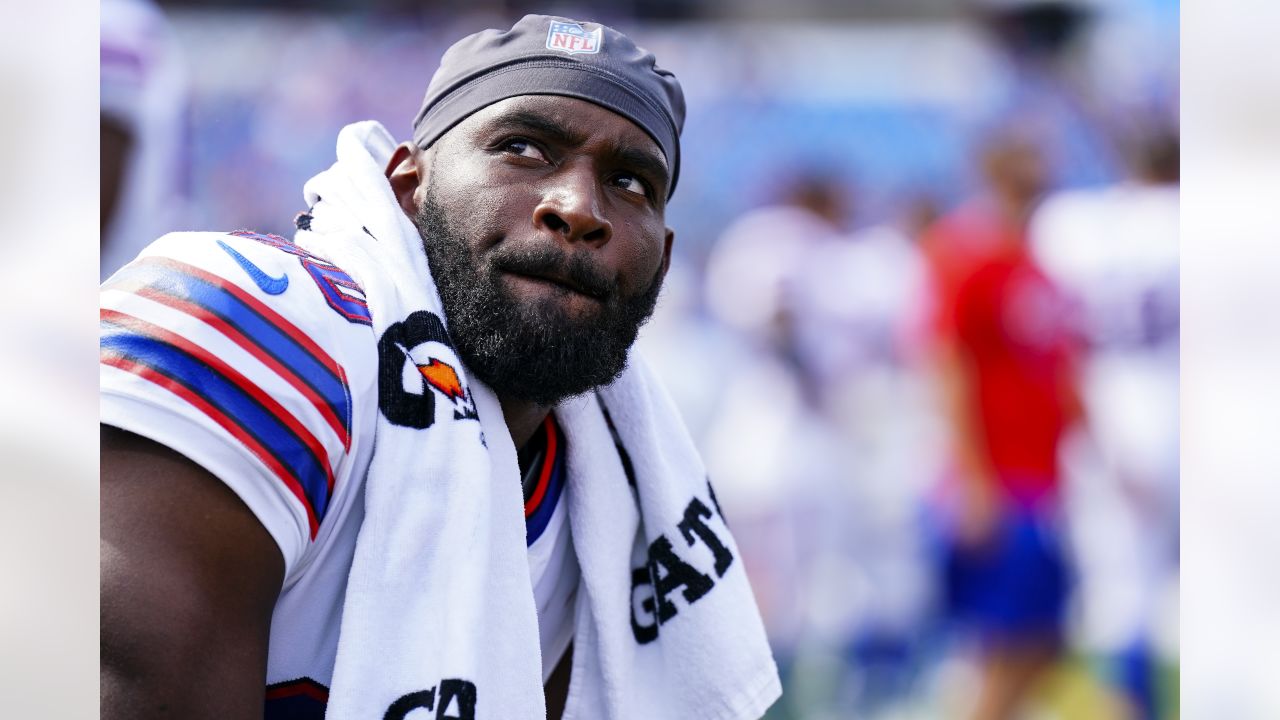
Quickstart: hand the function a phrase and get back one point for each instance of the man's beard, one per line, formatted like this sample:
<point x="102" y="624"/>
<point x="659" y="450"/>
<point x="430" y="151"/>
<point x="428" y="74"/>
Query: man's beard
<point x="530" y="351"/>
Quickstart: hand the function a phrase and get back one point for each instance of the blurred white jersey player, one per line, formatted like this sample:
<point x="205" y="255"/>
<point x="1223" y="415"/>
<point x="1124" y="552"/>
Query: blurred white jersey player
<point x="1116" y="251"/>
<point x="774" y="468"/>
<point x="143" y="116"/>
<point x="857" y="310"/>
<point x="827" y="480"/>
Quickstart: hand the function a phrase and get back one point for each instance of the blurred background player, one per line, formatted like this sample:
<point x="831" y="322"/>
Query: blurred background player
<point x="856" y="307"/>
<point x="1004" y="358"/>
<point x="782" y="463"/>
<point x="829" y="479"/>
<point x="144" y="162"/>
<point x="762" y="259"/>
<point x="1115" y="249"/>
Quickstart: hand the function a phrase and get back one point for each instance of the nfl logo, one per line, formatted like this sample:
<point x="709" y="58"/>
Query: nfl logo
<point x="572" y="39"/>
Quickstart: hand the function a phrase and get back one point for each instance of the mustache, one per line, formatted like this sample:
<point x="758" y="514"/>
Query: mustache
<point x="577" y="269"/>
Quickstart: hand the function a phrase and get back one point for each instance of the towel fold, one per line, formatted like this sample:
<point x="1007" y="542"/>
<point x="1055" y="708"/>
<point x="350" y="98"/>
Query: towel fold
<point x="439" y="609"/>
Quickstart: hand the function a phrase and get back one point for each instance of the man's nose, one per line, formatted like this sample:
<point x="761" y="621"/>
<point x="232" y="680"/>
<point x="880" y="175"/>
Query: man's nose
<point x="570" y="207"/>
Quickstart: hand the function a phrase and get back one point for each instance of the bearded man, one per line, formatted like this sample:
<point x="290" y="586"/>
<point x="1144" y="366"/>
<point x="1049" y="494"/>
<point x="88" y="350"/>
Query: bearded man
<point x="407" y="461"/>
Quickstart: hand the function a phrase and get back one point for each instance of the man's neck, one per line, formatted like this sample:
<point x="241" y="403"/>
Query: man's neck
<point x="523" y="419"/>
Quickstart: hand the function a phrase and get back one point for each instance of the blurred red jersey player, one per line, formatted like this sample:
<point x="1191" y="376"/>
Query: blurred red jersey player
<point x="1003" y="346"/>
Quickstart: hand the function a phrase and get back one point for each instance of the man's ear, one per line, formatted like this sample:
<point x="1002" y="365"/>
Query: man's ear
<point x="405" y="173"/>
<point x="667" y="242"/>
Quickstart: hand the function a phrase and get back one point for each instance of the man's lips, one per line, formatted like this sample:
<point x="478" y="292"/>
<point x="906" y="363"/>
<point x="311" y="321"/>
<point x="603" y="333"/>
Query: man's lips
<point x="556" y="281"/>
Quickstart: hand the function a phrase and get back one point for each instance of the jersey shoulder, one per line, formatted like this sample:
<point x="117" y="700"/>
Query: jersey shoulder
<point x="245" y="277"/>
<point x="249" y="355"/>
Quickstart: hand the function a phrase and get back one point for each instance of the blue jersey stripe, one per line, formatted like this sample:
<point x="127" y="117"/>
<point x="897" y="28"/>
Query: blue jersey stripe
<point x="173" y="282"/>
<point x="232" y="401"/>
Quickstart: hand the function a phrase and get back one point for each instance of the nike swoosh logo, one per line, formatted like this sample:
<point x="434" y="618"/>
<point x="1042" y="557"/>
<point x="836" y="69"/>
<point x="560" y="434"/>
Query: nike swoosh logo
<point x="270" y="285"/>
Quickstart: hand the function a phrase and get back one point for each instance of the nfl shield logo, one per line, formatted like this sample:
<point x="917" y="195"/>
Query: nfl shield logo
<point x="572" y="39"/>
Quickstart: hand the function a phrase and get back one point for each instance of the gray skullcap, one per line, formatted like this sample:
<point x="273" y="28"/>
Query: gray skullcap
<point x="546" y="55"/>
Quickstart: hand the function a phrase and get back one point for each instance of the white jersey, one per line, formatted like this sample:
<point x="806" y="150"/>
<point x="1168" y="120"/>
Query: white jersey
<point x="257" y="360"/>
<point x="1115" y="251"/>
<point x="857" y="300"/>
<point x="143" y="88"/>
<point x="854" y="311"/>
<point x="756" y="263"/>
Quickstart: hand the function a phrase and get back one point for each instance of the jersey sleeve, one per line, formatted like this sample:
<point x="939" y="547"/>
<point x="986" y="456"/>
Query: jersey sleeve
<point x="230" y="350"/>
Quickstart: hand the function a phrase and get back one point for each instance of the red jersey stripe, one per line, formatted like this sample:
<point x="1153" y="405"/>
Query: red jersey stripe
<point x="267" y="313"/>
<point x="272" y="406"/>
<point x="287" y="374"/>
<point x="182" y="391"/>
<point x="548" y="462"/>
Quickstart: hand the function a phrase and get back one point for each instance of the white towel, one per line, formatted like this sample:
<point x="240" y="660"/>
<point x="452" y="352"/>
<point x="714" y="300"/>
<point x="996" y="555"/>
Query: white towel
<point x="439" y="611"/>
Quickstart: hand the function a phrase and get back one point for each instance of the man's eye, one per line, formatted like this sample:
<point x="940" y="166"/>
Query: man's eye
<point x="631" y="183"/>
<point x="523" y="148"/>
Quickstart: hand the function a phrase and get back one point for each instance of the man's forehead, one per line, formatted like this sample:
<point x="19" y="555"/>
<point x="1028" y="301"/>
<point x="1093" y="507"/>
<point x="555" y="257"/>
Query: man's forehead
<point x="575" y="116"/>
